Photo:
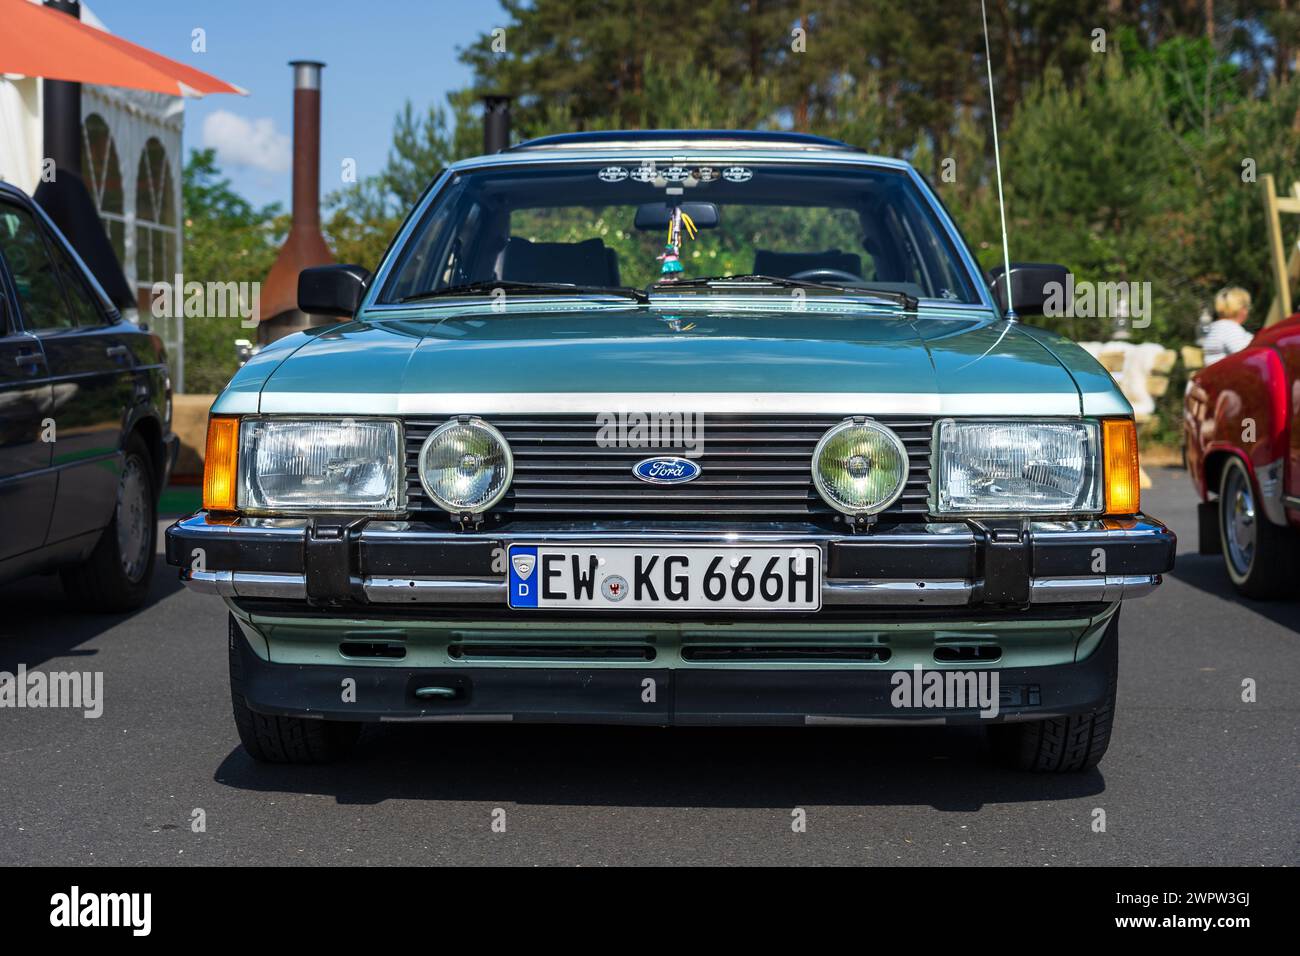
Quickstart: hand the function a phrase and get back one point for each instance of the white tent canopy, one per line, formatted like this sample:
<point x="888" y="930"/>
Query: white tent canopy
<point x="131" y="159"/>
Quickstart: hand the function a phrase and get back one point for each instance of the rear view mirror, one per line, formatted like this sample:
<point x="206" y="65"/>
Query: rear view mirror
<point x="332" y="290"/>
<point x="654" y="215"/>
<point x="1032" y="284"/>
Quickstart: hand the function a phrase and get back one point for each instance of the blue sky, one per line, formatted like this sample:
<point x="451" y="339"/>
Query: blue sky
<point x="377" y="55"/>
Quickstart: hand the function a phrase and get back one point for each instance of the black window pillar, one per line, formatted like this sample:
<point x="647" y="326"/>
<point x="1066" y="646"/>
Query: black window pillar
<point x="61" y="110"/>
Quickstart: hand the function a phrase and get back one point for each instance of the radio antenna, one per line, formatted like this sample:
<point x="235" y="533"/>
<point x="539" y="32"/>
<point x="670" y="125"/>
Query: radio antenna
<point x="997" y="161"/>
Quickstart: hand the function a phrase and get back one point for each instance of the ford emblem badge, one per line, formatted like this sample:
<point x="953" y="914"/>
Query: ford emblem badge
<point x="666" y="471"/>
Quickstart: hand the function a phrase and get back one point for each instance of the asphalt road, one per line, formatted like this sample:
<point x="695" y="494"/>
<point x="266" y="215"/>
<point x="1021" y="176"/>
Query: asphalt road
<point x="1193" y="776"/>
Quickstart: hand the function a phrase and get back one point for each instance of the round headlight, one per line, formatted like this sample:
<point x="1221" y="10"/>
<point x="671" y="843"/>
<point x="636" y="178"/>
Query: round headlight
<point x="859" y="468"/>
<point x="466" y="466"/>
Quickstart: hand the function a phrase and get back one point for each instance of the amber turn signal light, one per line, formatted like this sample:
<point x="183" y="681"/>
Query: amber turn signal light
<point x="219" y="463"/>
<point x="1120" y="464"/>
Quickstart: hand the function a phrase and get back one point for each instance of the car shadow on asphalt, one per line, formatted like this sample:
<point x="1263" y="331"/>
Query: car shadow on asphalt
<point x="39" y="623"/>
<point x="666" y="767"/>
<point x="1205" y="572"/>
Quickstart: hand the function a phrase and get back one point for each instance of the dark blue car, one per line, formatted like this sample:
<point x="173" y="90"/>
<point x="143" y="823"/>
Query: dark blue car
<point x="85" y="420"/>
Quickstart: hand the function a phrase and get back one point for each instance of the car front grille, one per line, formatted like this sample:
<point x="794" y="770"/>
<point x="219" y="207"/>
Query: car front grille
<point x="751" y="466"/>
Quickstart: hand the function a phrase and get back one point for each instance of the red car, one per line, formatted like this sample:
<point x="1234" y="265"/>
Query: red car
<point x="1242" y="429"/>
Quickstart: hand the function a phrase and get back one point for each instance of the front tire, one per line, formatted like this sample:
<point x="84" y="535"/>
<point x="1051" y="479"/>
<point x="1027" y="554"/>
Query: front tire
<point x="117" y="574"/>
<point x="1069" y="744"/>
<point x="1259" y="556"/>
<point x="273" y="739"/>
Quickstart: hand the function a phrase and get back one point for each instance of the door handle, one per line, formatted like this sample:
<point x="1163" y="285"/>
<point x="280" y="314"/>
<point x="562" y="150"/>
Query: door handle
<point x="117" y="351"/>
<point x="29" y="359"/>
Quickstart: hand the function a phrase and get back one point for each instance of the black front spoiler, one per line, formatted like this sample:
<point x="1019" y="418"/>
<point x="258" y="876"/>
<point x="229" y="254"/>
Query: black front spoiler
<point x="657" y="696"/>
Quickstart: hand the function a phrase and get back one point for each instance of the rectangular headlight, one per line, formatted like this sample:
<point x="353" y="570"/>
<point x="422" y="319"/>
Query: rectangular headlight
<point x="301" y="464"/>
<point x="1018" y="467"/>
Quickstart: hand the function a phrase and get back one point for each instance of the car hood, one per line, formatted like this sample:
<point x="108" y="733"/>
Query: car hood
<point x="594" y="359"/>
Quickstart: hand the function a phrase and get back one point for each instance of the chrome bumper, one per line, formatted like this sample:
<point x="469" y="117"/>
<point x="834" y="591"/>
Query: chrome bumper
<point x="366" y="562"/>
<point x="416" y="590"/>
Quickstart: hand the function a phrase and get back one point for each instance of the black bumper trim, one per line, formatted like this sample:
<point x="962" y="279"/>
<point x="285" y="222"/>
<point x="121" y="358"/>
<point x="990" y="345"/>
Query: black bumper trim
<point x="1148" y="554"/>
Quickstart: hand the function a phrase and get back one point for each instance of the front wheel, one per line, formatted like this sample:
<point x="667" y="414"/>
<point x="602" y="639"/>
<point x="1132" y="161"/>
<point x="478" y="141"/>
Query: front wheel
<point x="273" y="739"/>
<point x="1064" y="744"/>
<point x="1260" y="557"/>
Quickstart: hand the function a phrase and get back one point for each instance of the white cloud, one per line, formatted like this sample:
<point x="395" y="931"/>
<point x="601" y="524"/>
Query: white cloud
<point x="242" y="142"/>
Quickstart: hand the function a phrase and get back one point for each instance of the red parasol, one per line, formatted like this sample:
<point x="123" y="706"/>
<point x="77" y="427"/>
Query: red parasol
<point x="38" y="41"/>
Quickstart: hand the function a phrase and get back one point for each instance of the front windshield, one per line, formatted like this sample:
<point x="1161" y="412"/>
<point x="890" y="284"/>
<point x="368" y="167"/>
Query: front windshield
<point x="611" y="224"/>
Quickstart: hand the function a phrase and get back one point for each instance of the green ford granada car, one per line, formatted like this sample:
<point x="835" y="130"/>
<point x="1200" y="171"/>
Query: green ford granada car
<point x="674" y="428"/>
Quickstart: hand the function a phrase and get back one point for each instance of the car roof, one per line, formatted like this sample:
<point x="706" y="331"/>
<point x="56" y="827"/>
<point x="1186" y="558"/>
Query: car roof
<point x="685" y="138"/>
<point x="706" y="145"/>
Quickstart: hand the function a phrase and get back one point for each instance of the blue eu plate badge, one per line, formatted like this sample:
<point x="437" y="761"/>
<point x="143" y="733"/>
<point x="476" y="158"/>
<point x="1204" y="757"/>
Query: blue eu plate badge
<point x="523" y="576"/>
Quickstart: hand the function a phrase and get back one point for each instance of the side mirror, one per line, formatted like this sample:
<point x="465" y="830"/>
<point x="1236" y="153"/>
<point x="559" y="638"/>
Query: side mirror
<point x="332" y="290"/>
<point x="1032" y="285"/>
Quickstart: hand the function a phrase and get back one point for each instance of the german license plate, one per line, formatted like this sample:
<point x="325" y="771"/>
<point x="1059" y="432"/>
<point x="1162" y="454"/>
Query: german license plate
<point x="694" y="577"/>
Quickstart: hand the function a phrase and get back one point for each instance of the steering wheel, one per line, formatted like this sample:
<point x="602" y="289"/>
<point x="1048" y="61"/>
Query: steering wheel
<point x="826" y="275"/>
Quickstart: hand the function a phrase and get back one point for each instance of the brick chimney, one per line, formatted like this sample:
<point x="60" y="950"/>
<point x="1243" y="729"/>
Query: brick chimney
<point x="305" y="245"/>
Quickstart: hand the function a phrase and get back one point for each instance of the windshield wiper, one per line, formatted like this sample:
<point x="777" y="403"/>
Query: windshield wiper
<point x="509" y="285"/>
<point x="908" y="302"/>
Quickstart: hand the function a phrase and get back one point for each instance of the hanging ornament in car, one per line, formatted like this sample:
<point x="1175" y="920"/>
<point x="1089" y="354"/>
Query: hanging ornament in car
<point x="671" y="258"/>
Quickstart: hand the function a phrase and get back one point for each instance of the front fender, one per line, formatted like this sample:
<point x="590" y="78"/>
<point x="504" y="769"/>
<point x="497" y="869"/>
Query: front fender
<point x="1238" y="407"/>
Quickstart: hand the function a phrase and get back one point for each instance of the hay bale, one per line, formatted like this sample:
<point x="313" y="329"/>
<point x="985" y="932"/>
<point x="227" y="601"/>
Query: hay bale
<point x="190" y="423"/>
